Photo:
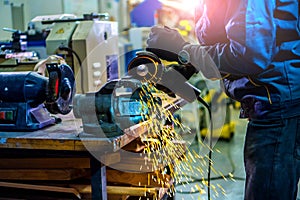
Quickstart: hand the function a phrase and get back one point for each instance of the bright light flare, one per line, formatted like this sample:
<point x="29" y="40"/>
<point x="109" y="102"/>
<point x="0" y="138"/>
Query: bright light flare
<point x="188" y="6"/>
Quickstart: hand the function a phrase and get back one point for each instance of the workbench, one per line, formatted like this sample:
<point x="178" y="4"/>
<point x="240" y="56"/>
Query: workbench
<point x="67" y="141"/>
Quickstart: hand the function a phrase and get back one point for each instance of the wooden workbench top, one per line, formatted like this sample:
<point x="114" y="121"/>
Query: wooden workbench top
<point x="67" y="135"/>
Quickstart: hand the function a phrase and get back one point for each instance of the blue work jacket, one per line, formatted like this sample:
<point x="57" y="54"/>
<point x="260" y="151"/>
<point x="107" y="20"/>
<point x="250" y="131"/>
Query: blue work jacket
<point x="255" y="47"/>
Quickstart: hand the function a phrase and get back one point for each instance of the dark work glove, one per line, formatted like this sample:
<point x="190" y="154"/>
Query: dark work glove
<point x="185" y="70"/>
<point x="165" y="43"/>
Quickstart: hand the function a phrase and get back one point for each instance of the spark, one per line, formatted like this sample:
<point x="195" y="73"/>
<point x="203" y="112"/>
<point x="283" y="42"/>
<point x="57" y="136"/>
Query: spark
<point x="164" y="150"/>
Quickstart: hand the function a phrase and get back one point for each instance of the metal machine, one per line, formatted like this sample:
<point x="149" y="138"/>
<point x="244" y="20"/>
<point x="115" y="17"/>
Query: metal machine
<point x="114" y="108"/>
<point x="117" y="106"/>
<point x="28" y="98"/>
<point x="93" y="47"/>
<point x="90" y="44"/>
<point x="96" y="45"/>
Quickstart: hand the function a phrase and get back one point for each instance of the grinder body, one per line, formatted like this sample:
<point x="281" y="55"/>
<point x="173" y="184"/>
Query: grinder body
<point x="27" y="87"/>
<point x="27" y="99"/>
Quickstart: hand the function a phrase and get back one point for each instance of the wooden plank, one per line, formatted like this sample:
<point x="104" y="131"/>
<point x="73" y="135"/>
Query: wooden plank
<point x="132" y="191"/>
<point x="114" y="197"/>
<point x="52" y="142"/>
<point x="42" y="174"/>
<point x="111" y="158"/>
<point x="57" y="141"/>
<point x="44" y="163"/>
<point x="136" y="162"/>
<point x="135" y="179"/>
<point x="135" y="146"/>
<point x="124" y="191"/>
<point x="93" y="144"/>
<point x="152" y="179"/>
<point x="48" y="144"/>
<point x="120" y="190"/>
<point x="41" y="187"/>
<point x="82" y="188"/>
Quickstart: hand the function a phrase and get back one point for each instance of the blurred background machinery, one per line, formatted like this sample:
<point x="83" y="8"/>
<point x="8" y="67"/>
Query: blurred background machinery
<point x="88" y="44"/>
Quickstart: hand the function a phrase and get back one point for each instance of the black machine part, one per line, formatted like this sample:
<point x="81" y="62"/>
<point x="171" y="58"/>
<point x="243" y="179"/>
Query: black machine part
<point x="29" y="87"/>
<point x="171" y="79"/>
<point x="86" y="17"/>
<point x="61" y="88"/>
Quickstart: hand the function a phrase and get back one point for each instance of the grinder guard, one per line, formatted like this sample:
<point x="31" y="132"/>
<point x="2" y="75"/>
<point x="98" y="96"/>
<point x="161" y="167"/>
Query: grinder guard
<point x="171" y="79"/>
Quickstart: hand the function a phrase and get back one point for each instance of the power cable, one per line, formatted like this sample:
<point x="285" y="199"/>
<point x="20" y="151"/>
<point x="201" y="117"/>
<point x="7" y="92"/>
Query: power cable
<point x="207" y="106"/>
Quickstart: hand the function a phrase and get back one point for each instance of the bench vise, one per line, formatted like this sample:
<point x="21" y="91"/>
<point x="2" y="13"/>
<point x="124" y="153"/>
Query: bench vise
<point x="118" y="105"/>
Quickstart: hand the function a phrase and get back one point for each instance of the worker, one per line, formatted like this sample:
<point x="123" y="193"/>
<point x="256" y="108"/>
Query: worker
<point x="255" y="47"/>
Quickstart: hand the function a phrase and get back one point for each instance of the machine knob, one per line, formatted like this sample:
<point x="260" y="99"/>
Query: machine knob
<point x="96" y="65"/>
<point x="97" y="74"/>
<point x="97" y="82"/>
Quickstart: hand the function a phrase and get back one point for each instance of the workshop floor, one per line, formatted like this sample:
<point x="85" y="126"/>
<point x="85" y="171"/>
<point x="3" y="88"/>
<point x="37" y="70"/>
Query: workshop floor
<point x="227" y="158"/>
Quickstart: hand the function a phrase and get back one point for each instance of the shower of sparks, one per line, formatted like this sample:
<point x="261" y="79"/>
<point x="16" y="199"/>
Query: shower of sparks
<point x="165" y="150"/>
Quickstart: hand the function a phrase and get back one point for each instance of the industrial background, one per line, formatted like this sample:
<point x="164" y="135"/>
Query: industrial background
<point x="84" y="116"/>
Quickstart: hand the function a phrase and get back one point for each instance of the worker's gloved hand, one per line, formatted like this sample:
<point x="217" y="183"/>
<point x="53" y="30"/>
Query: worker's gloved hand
<point x="185" y="70"/>
<point x="165" y="43"/>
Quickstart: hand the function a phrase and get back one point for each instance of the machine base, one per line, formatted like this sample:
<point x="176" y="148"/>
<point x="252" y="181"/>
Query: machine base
<point x="23" y="117"/>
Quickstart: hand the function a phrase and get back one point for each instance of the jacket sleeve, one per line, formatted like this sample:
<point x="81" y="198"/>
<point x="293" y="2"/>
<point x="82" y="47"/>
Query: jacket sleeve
<point x="250" y="44"/>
